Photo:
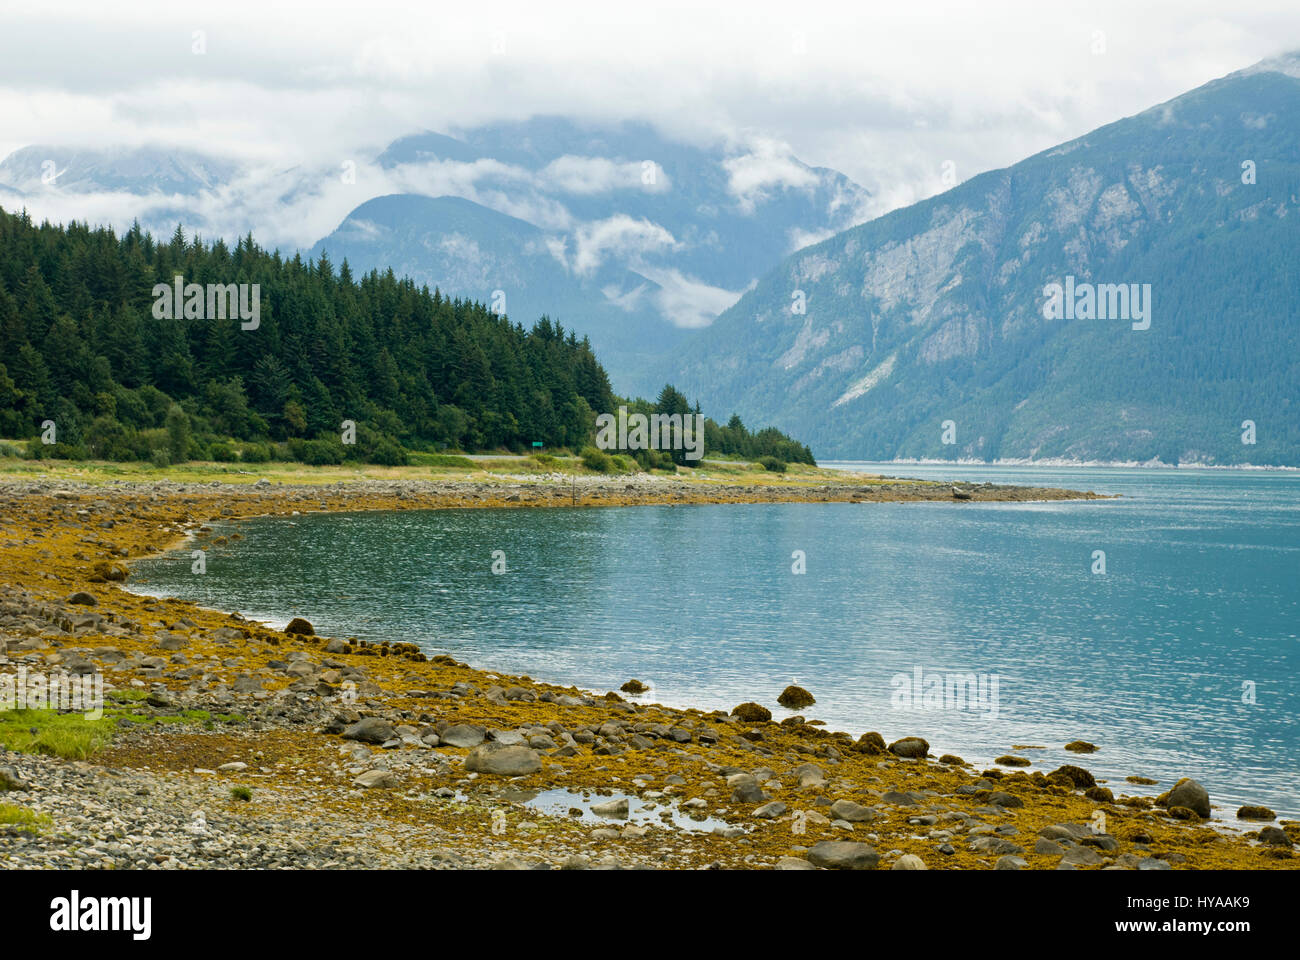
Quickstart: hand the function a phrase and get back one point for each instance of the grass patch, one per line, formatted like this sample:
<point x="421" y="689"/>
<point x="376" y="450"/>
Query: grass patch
<point x="442" y="460"/>
<point x="24" y="819"/>
<point x="67" y="735"/>
<point x="241" y="793"/>
<point x="127" y="696"/>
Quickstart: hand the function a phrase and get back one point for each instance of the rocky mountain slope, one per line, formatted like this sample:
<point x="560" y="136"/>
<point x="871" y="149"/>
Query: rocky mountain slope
<point x="930" y="324"/>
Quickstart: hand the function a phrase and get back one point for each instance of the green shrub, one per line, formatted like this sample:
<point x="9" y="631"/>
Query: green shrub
<point x="161" y="458"/>
<point x="257" y="453"/>
<point x="388" y="452"/>
<point x="222" y="452"/>
<point x="772" y="464"/>
<point x="317" y="453"/>
<point x="597" y="460"/>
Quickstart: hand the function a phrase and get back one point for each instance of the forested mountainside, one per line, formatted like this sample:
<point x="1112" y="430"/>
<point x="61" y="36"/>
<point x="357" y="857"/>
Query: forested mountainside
<point x="95" y="341"/>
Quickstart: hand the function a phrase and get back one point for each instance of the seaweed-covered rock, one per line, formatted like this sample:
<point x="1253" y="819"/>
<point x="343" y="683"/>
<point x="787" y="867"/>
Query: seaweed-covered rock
<point x="751" y="712"/>
<point x="871" y="743"/>
<point x="793" y="698"/>
<point x="910" y="747"/>
<point x="1077" y="776"/>
<point x="1190" y="794"/>
<point x="1275" y="836"/>
<point x="300" y="627"/>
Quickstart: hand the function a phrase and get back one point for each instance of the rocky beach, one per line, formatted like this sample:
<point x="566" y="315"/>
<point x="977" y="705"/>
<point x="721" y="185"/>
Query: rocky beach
<point x="225" y="743"/>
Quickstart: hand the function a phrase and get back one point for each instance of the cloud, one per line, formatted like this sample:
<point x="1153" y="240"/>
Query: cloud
<point x="485" y="181"/>
<point x="982" y="84"/>
<point x="687" y="302"/>
<point x="768" y="166"/>
<point x="884" y="93"/>
<point x="594" y="175"/>
<point x="622" y="236"/>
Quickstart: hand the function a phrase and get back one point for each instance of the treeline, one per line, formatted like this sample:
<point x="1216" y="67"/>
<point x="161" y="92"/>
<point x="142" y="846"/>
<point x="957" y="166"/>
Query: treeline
<point x="769" y="446"/>
<point x="335" y="367"/>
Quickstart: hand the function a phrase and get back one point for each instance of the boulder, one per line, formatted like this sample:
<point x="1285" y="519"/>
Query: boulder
<point x="751" y="712"/>
<point x="996" y="845"/>
<point x="1001" y="798"/>
<point x="1078" y="777"/>
<point x="370" y="730"/>
<point x="810" y="775"/>
<point x="376" y="780"/>
<point x="794" y="863"/>
<point x="745" y="788"/>
<point x="503" y="761"/>
<point x="10" y="780"/>
<point x="871" y="743"/>
<point x="794" y="697"/>
<point x="1081" y="856"/>
<point x="300" y="627"/>
<point x="910" y="747"/>
<point x="1011" y="760"/>
<point x="852" y="812"/>
<point x="1190" y="794"/>
<point x="463" y="735"/>
<point x="843" y="855"/>
<point x="1274" y="836"/>
<point x="616" y="809"/>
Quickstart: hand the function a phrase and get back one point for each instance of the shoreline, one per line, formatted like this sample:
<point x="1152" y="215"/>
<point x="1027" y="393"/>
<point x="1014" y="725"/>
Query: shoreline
<point x="1055" y="463"/>
<point x="751" y="775"/>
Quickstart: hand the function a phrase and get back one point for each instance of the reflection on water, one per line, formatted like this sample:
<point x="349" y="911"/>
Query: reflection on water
<point x="1179" y="661"/>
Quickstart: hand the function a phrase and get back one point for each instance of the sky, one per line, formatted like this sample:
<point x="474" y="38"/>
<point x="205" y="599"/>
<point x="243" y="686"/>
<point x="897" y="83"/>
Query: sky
<point x="905" y="98"/>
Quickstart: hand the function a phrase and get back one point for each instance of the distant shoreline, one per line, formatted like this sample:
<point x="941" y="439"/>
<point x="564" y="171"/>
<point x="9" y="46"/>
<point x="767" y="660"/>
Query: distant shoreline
<point x="1114" y="464"/>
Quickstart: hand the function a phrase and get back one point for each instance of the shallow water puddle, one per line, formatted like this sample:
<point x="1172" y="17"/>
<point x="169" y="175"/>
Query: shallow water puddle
<point x="646" y="813"/>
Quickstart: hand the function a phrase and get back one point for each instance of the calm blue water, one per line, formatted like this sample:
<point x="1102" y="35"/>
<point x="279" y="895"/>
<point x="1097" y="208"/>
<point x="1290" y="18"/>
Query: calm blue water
<point x="1154" y="661"/>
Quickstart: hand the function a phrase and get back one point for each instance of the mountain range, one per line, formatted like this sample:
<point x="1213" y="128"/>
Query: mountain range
<point x="925" y="333"/>
<point x="629" y="236"/>
<point x="751" y="281"/>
